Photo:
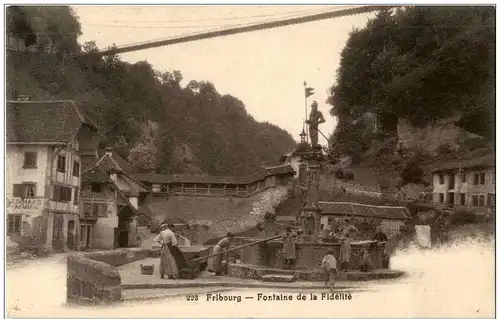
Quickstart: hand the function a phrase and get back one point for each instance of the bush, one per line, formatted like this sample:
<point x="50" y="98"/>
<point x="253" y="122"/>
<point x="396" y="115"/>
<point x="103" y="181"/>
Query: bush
<point x="339" y="173"/>
<point x="348" y="175"/>
<point x="463" y="217"/>
<point x="444" y="149"/>
<point x="412" y="173"/>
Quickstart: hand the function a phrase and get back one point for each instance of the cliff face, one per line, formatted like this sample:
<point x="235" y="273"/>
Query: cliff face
<point x="433" y="136"/>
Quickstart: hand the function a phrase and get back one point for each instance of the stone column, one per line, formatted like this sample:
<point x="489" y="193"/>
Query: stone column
<point x="302" y="173"/>
<point x="310" y="214"/>
<point x="132" y="232"/>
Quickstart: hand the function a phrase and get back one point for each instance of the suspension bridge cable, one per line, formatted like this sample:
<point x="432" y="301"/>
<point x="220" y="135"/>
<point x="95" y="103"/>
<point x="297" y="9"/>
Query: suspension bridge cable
<point x="275" y="15"/>
<point x="292" y="15"/>
<point x="244" y="29"/>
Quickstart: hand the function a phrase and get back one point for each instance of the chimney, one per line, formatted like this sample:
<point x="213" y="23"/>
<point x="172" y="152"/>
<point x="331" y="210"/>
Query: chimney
<point x="109" y="151"/>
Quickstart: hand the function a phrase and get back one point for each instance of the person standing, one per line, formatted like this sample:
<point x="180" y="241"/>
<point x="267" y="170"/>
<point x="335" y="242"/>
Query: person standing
<point x="289" y="248"/>
<point x="381" y="237"/>
<point x="329" y="265"/>
<point x="167" y="239"/>
<point x="345" y="249"/>
<point x="215" y="262"/>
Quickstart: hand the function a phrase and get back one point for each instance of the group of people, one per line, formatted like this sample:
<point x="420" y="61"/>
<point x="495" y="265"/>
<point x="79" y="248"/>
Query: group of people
<point x="329" y="262"/>
<point x="172" y="261"/>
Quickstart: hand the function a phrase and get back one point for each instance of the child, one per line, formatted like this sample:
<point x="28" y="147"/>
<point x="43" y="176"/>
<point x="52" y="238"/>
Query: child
<point x="329" y="265"/>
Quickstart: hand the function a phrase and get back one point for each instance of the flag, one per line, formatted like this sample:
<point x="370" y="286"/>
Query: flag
<point x="309" y="92"/>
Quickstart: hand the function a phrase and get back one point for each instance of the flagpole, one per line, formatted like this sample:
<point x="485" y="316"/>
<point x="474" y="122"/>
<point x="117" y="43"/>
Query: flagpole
<point x="305" y="107"/>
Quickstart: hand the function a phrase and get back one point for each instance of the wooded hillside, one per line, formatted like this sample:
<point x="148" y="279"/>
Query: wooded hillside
<point x="222" y="138"/>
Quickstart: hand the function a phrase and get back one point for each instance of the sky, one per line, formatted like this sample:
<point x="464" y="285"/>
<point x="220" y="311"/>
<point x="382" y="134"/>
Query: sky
<point x="264" y="69"/>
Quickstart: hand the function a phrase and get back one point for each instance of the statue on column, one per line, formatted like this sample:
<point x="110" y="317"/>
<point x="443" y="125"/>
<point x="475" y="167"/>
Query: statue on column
<point x="315" y="118"/>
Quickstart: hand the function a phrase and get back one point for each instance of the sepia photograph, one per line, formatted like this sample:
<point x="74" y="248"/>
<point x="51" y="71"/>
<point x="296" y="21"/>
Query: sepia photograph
<point x="250" y="161"/>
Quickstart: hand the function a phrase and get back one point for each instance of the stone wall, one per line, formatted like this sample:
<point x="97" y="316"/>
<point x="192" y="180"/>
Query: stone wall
<point x="93" y="278"/>
<point x="308" y="256"/>
<point x="92" y="281"/>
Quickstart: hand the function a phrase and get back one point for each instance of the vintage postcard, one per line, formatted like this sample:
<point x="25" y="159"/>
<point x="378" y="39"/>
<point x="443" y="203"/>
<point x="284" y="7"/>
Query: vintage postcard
<point x="237" y="161"/>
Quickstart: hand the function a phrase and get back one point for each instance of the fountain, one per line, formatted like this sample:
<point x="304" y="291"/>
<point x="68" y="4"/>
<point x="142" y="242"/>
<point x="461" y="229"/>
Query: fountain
<point x="264" y="258"/>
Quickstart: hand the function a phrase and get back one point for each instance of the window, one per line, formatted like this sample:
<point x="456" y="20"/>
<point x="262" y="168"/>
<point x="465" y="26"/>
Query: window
<point x="474" y="199"/>
<point x="29" y="190"/>
<point x="462" y="199"/>
<point x="476" y="178"/>
<point x="482" y="178"/>
<point x="76" y="169"/>
<point x="14" y="224"/>
<point x="491" y="200"/>
<point x="464" y="177"/>
<point x="95" y="210"/>
<point x="441" y="198"/>
<point x="30" y="160"/>
<point x="75" y="196"/>
<point x="441" y="178"/>
<point x="61" y="163"/>
<point x="61" y="194"/>
<point x="83" y="232"/>
<point x="481" y="201"/>
<point x="95" y="187"/>
<point x="451" y="181"/>
<point x="25" y="190"/>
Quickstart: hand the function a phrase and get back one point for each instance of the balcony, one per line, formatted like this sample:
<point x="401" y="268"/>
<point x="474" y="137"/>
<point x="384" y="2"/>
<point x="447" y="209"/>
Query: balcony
<point x="67" y="207"/>
<point x="90" y="215"/>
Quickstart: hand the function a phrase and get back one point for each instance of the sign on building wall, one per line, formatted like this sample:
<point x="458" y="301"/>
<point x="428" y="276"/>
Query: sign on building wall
<point x="17" y="204"/>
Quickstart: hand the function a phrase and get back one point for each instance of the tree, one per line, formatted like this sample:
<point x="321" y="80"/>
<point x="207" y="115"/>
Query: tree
<point x="142" y="159"/>
<point x="420" y="64"/>
<point x="119" y="97"/>
<point x="412" y="173"/>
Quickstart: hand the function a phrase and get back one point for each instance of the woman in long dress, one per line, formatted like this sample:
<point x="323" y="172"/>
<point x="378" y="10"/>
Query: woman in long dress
<point x="168" y="265"/>
<point x="345" y="249"/>
<point x="289" y="248"/>
<point x="215" y="263"/>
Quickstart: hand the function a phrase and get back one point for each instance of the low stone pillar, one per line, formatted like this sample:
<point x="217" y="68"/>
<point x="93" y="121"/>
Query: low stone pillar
<point x="91" y="281"/>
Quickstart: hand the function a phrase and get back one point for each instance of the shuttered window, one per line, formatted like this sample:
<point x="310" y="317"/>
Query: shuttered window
<point x="61" y="163"/>
<point x="14" y="224"/>
<point x="61" y="194"/>
<point x="96" y="210"/>
<point x="76" y="169"/>
<point x="75" y="197"/>
<point x="25" y="190"/>
<point x="18" y="190"/>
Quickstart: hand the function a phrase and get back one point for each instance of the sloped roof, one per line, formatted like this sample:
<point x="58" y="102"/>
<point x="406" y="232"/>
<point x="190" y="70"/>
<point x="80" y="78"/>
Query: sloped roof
<point x="186" y="178"/>
<point x="355" y="209"/>
<point x="278" y="170"/>
<point x="94" y="175"/>
<point x="116" y="161"/>
<point x="44" y="121"/>
<point x="483" y="161"/>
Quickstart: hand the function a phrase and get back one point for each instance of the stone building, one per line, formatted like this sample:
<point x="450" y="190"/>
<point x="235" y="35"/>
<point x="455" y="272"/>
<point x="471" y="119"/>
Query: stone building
<point x="364" y="217"/>
<point x="110" y="204"/>
<point x="47" y="144"/>
<point x="468" y="184"/>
